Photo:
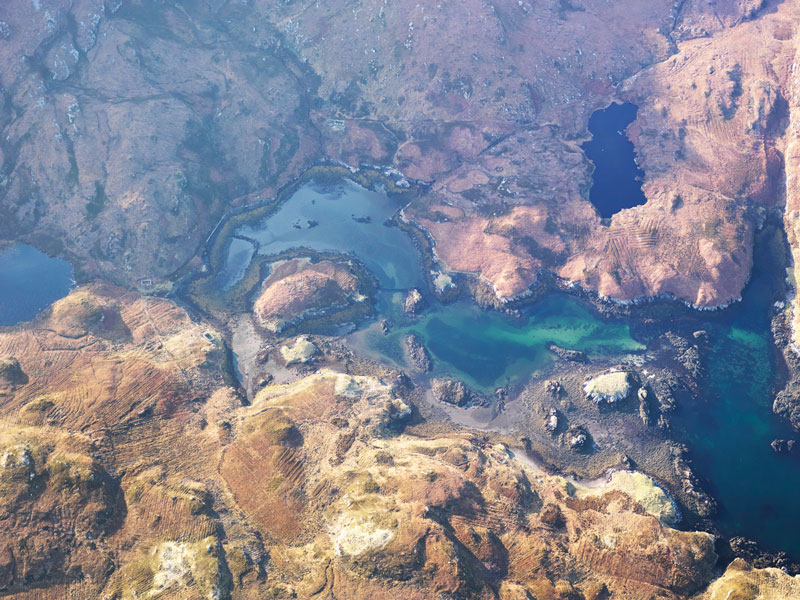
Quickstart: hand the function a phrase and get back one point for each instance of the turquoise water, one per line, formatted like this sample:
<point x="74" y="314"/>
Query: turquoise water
<point x="30" y="281"/>
<point x="488" y="349"/>
<point x="730" y="428"/>
<point x="345" y="218"/>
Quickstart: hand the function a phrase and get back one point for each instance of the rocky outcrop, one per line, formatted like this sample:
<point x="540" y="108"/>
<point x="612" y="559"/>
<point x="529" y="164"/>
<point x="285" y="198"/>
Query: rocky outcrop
<point x="740" y="580"/>
<point x="552" y="421"/>
<point x="315" y="485"/>
<point x="417" y="353"/>
<point x="609" y="388"/>
<point x="298" y="289"/>
<point x="11" y="373"/>
<point x="389" y="494"/>
<point x="413" y="303"/>
<point x="695" y="498"/>
<point x="452" y="392"/>
<point x="644" y="406"/>
<point x="689" y="354"/>
<point x="578" y="439"/>
<point x="566" y="354"/>
<point x="783" y="446"/>
<point x="506" y="195"/>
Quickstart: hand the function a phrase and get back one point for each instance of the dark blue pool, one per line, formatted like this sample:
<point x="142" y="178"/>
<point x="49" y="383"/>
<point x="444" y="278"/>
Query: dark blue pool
<point x="617" y="179"/>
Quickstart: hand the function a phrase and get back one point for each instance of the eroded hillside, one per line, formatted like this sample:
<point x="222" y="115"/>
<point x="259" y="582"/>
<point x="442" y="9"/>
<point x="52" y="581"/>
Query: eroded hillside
<point x="120" y="433"/>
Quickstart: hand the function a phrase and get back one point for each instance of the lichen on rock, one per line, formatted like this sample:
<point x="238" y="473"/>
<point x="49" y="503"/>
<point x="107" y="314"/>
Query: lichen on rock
<point x="609" y="388"/>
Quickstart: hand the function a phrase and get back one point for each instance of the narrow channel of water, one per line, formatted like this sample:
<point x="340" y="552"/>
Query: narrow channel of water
<point x="30" y="281"/>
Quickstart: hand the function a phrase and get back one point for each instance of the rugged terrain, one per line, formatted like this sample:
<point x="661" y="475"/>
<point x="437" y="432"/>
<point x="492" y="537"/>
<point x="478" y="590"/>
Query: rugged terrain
<point x="132" y="465"/>
<point x="129" y="128"/>
<point x="296" y="290"/>
<point x="327" y="486"/>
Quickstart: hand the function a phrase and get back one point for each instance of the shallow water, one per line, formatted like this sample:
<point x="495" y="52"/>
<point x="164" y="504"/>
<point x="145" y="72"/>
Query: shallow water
<point x="344" y="218"/>
<point x="617" y="179"/>
<point x="488" y="349"/>
<point x="30" y="281"/>
<point x="240" y="253"/>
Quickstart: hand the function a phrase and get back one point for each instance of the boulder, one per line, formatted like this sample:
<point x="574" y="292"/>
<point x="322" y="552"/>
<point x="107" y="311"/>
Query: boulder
<point x="608" y="388"/>
<point x="452" y="392"/>
<point x="301" y="352"/>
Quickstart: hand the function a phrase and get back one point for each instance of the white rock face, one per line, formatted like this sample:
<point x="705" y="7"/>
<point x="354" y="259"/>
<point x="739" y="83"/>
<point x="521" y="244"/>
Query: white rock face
<point x="355" y="536"/>
<point x="608" y="387"/>
<point x="641" y="488"/>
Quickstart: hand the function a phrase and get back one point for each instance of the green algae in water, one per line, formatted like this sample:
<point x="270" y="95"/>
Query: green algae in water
<point x="489" y="349"/>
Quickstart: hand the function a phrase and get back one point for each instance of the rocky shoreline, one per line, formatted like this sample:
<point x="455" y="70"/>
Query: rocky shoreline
<point x="676" y="374"/>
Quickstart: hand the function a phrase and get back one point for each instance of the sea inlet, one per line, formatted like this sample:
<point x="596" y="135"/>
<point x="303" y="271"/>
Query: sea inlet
<point x="729" y="427"/>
